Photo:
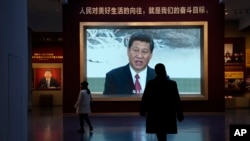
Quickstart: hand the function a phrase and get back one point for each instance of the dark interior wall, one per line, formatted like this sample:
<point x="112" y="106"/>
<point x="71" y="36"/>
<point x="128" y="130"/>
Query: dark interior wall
<point x="71" y="61"/>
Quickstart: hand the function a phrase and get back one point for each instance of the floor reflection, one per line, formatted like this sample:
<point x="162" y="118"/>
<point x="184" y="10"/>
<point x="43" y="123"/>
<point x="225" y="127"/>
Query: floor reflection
<point x="50" y="124"/>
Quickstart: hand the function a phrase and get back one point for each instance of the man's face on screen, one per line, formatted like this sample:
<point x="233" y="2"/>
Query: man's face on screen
<point x="139" y="55"/>
<point x="47" y="74"/>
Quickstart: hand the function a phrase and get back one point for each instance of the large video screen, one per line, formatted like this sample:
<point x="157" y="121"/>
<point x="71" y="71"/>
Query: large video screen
<point x="180" y="46"/>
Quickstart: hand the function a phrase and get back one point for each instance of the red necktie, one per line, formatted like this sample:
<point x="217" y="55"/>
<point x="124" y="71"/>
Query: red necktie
<point x="137" y="84"/>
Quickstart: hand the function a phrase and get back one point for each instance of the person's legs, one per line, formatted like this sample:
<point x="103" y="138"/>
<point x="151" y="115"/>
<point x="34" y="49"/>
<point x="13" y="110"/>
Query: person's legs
<point x="161" y="136"/>
<point x="81" y="120"/>
<point x="86" y="117"/>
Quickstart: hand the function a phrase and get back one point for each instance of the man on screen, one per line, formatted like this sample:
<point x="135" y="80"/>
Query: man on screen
<point x="48" y="82"/>
<point x="132" y="78"/>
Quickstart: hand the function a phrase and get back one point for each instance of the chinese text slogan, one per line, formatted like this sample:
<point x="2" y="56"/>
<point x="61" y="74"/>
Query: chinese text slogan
<point x="139" y="10"/>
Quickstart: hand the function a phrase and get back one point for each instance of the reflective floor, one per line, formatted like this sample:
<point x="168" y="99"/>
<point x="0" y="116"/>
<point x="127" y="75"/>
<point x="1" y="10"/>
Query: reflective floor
<point x="50" y="124"/>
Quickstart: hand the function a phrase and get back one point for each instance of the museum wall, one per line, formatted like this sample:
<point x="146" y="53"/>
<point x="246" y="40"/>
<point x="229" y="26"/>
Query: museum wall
<point x="71" y="52"/>
<point x="233" y="33"/>
<point x="47" y="56"/>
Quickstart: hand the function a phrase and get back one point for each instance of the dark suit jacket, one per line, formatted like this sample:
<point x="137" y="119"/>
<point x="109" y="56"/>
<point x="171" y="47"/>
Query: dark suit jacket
<point x="43" y="83"/>
<point x="120" y="81"/>
<point x="161" y="105"/>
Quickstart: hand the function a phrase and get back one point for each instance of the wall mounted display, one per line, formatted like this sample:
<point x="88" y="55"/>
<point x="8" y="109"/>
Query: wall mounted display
<point x="247" y="58"/>
<point x="234" y="59"/>
<point x="47" y="78"/>
<point x="47" y="83"/>
<point x="181" y="46"/>
<point x="233" y="54"/>
<point x="247" y="79"/>
<point x="234" y="80"/>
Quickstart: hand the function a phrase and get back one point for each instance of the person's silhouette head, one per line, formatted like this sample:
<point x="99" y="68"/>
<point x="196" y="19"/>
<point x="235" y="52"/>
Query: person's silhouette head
<point x="160" y="70"/>
<point x="84" y="84"/>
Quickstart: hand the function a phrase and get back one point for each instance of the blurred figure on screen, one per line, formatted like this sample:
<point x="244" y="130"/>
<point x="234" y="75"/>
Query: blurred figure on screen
<point x="132" y="78"/>
<point x="48" y="81"/>
<point x="161" y="105"/>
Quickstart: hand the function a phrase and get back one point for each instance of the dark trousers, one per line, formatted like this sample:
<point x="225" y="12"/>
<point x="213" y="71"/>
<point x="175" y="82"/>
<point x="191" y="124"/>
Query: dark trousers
<point x="82" y="118"/>
<point x="161" y="136"/>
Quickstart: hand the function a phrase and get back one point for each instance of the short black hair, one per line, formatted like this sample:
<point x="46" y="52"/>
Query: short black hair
<point x="140" y="36"/>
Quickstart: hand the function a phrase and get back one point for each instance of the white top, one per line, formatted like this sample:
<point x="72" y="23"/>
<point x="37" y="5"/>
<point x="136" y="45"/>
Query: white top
<point x="83" y="103"/>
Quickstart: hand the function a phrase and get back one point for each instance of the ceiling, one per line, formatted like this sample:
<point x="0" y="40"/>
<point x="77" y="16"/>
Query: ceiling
<point x="46" y="15"/>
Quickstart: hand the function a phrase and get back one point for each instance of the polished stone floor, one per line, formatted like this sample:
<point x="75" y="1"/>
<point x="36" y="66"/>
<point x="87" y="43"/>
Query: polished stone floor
<point x="50" y="124"/>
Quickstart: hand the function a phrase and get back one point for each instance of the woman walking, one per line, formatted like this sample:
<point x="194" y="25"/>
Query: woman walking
<point x="83" y="107"/>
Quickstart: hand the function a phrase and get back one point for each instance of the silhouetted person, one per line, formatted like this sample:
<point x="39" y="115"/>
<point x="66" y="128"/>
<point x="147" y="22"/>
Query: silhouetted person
<point x="83" y="106"/>
<point x="160" y="104"/>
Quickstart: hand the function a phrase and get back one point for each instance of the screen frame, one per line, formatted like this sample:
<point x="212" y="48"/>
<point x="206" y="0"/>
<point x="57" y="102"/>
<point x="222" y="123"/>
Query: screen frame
<point x="204" y="57"/>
